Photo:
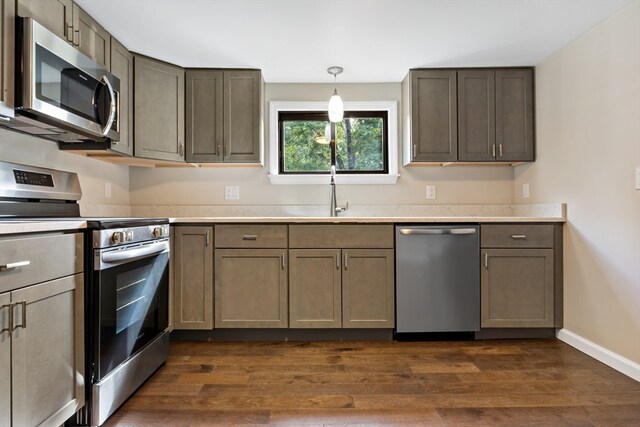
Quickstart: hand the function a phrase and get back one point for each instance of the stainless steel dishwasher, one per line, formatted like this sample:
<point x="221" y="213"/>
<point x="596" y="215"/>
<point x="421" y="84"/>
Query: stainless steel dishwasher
<point x="437" y="278"/>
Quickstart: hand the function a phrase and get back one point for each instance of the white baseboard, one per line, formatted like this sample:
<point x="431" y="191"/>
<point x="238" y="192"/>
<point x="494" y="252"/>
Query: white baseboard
<point x="608" y="357"/>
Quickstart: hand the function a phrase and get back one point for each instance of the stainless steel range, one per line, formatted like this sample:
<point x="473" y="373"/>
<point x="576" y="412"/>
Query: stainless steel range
<point x="127" y="285"/>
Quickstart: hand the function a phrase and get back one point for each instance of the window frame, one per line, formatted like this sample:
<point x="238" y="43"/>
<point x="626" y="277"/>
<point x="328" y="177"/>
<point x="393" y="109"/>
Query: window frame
<point x="276" y="177"/>
<point x="323" y="116"/>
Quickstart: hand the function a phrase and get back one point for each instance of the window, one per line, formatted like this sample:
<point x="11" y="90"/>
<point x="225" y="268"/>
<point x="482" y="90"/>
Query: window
<point x="304" y="143"/>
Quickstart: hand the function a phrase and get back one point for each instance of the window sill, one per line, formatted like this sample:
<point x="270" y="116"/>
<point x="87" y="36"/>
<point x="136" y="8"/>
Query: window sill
<point x="340" y="179"/>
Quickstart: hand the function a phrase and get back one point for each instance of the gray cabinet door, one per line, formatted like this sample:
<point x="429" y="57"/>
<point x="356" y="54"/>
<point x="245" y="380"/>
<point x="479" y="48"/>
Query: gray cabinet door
<point x="242" y="118"/>
<point x="47" y="351"/>
<point x="56" y="15"/>
<point x="91" y="39"/>
<point x="204" y="106"/>
<point x="122" y="68"/>
<point x="159" y="110"/>
<point x="315" y="289"/>
<point x="368" y="288"/>
<point x="514" y="115"/>
<point x="5" y="361"/>
<point x="251" y="288"/>
<point x="7" y="41"/>
<point x="517" y="288"/>
<point x="434" y="125"/>
<point x="476" y="115"/>
<point x="193" y="278"/>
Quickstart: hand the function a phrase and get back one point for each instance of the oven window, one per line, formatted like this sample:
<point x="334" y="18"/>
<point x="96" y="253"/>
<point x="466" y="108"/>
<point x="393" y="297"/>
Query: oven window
<point x="133" y="308"/>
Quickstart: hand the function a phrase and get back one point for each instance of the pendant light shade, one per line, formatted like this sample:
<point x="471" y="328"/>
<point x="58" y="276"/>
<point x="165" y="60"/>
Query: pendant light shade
<point x="336" y="107"/>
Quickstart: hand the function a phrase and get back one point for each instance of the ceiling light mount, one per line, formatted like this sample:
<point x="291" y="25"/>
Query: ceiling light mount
<point x="336" y="107"/>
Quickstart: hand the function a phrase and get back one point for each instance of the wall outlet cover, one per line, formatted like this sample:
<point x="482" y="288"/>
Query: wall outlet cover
<point x="525" y="190"/>
<point x="107" y="190"/>
<point x="231" y="192"/>
<point x="637" y="177"/>
<point x="431" y="192"/>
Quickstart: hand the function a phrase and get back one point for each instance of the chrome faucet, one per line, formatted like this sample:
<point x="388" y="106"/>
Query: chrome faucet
<point x="335" y="209"/>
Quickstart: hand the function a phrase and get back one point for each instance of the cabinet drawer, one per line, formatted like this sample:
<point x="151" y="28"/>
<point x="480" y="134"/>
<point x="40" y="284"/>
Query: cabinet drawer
<point x="251" y="236"/>
<point x="48" y="257"/>
<point x="340" y="236"/>
<point x="516" y="236"/>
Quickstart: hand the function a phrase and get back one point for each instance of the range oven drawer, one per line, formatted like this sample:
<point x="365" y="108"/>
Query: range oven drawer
<point x="26" y="261"/>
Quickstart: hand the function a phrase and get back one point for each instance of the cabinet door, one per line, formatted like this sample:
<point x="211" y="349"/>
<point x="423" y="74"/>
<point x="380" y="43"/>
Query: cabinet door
<point x="193" y="278"/>
<point x="434" y="125"/>
<point x="315" y="290"/>
<point x="5" y="361"/>
<point x="122" y="68"/>
<point x="514" y="115"/>
<point x="159" y="110"/>
<point x="476" y="115"/>
<point x="56" y="15"/>
<point x="91" y="39"/>
<point x="367" y="288"/>
<point x="7" y="41"/>
<point x="517" y="288"/>
<point x="47" y="352"/>
<point x="242" y="121"/>
<point x="204" y="104"/>
<point x="251" y="288"/>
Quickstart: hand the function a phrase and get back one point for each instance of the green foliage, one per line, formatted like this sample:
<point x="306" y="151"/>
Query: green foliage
<point x="359" y="145"/>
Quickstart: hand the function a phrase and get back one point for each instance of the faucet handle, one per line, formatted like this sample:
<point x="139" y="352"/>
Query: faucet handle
<point x="340" y="209"/>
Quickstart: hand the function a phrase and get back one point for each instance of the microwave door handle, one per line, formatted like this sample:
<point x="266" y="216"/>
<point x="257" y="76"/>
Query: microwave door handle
<point x="112" y="108"/>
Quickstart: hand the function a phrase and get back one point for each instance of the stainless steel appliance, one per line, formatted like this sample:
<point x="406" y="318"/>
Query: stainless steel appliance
<point x="127" y="285"/>
<point x="62" y="94"/>
<point x="437" y="278"/>
<point x="127" y="311"/>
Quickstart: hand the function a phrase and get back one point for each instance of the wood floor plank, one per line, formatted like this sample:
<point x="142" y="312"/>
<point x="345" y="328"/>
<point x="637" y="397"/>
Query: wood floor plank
<point x="530" y="383"/>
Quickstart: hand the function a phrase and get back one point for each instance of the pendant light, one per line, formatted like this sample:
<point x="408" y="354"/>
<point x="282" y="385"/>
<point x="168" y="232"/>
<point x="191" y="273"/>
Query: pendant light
<point x="336" y="108"/>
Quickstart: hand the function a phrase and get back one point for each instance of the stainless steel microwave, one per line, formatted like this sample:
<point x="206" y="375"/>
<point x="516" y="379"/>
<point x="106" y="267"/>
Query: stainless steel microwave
<point x="62" y="94"/>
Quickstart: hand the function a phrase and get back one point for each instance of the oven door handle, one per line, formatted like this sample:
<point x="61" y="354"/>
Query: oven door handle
<point x="127" y="255"/>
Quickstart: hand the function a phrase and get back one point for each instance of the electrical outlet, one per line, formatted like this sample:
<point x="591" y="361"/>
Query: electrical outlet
<point x="107" y="190"/>
<point x="431" y="192"/>
<point x="637" y="177"/>
<point x="525" y="190"/>
<point x="231" y="192"/>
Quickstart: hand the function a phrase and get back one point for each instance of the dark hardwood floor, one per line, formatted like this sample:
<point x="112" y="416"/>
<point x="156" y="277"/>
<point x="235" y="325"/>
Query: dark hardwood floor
<point x="487" y="383"/>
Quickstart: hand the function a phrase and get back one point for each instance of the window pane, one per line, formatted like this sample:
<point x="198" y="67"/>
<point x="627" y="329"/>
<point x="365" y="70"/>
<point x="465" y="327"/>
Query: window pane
<point x="302" y="151"/>
<point x="359" y="144"/>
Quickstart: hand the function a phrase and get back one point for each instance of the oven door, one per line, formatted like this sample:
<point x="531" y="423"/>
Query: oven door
<point x="129" y="302"/>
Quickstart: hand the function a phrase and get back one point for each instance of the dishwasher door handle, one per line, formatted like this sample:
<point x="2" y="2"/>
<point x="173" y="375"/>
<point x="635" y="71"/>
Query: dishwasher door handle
<point x="436" y="231"/>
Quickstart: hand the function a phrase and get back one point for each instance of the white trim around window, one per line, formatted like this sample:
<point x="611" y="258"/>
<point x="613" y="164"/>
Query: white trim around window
<point x="392" y="140"/>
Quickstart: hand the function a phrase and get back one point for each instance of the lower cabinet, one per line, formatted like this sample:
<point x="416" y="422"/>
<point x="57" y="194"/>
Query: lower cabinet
<point x="521" y="276"/>
<point x="251" y="288"/>
<point x="42" y="353"/>
<point x="193" y="278"/>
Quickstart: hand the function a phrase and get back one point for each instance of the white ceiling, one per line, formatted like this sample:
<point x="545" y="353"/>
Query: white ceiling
<point x="374" y="40"/>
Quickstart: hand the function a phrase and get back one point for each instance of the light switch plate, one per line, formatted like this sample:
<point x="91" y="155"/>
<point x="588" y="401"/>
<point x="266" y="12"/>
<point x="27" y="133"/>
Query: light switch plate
<point x="231" y="192"/>
<point x="431" y="192"/>
<point x="525" y="190"/>
<point x="637" y="177"/>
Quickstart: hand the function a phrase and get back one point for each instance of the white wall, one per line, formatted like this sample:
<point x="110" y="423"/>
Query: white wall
<point x="455" y="185"/>
<point x="26" y="149"/>
<point x="588" y="143"/>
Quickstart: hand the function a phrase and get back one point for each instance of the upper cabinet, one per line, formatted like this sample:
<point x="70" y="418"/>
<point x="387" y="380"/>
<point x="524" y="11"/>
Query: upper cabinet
<point x="469" y="115"/>
<point x="224" y="115"/>
<point x="56" y="15"/>
<point x="122" y="67"/>
<point x="7" y="37"/>
<point x="90" y="38"/>
<point x="69" y="22"/>
<point x="158" y="110"/>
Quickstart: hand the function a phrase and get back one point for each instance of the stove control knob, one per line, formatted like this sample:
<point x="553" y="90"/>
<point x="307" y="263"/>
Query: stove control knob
<point x="157" y="232"/>
<point x="117" y="237"/>
<point x="128" y="236"/>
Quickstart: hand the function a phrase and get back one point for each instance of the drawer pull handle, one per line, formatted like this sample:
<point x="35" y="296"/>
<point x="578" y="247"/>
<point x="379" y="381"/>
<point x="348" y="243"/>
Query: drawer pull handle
<point x="519" y="236"/>
<point x="250" y="237"/>
<point x="12" y="265"/>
